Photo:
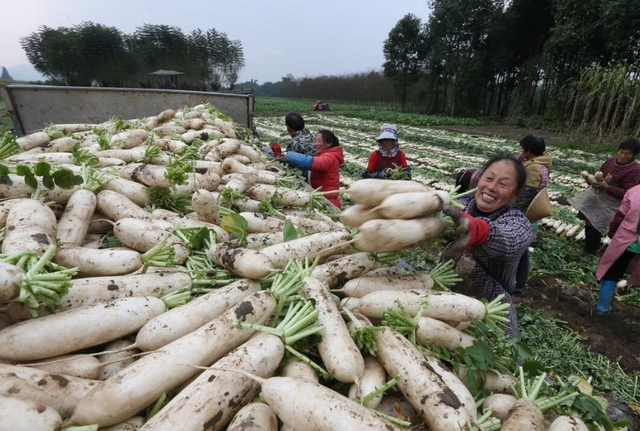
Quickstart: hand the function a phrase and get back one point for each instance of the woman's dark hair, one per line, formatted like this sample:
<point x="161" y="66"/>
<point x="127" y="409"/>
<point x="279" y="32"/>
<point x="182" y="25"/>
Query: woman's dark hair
<point x="630" y="144"/>
<point x="329" y="138"/>
<point x="521" y="173"/>
<point x="295" y="121"/>
<point x="533" y="144"/>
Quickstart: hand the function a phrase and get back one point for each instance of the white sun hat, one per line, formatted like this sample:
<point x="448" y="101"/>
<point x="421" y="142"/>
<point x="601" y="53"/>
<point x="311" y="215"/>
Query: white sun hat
<point x="388" y="131"/>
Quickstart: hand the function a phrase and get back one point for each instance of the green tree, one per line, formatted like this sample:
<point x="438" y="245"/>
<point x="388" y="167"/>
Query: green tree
<point x="403" y="54"/>
<point x="5" y="74"/>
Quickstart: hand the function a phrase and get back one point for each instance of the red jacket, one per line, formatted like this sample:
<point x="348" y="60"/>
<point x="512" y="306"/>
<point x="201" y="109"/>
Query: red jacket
<point x="378" y="162"/>
<point x="325" y="172"/>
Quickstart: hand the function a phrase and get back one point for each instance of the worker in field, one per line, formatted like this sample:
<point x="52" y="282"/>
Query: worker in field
<point x="537" y="163"/>
<point x="624" y="232"/>
<point x="490" y="235"/>
<point x="302" y="141"/>
<point x="324" y="167"/>
<point x="388" y="161"/>
<point x="598" y="204"/>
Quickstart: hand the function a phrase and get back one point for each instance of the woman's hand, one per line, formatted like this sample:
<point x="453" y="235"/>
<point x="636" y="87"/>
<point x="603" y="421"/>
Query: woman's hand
<point x="469" y="232"/>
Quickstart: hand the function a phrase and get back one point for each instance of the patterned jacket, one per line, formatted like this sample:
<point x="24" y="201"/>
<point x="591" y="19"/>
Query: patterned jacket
<point x="302" y="142"/>
<point x="623" y="178"/>
<point x="509" y="236"/>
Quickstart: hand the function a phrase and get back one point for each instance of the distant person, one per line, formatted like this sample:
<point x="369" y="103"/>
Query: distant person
<point x="302" y="141"/>
<point x="324" y="167"/>
<point x="599" y="203"/>
<point x="624" y="232"/>
<point x="388" y="155"/>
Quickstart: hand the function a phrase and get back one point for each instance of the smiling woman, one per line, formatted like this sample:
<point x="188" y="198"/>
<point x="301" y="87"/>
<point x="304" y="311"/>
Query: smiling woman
<point x="491" y="236"/>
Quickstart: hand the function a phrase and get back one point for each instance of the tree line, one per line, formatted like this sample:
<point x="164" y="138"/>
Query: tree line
<point x="570" y="59"/>
<point x="94" y="54"/>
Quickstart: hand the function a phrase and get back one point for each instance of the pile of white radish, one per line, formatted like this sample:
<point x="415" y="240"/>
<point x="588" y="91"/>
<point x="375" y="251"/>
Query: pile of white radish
<point x="162" y="273"/>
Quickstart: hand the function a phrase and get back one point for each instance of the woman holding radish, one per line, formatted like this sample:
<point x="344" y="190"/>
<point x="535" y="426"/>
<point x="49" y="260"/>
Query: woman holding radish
<point x="388" y="156"/>
<point x="324" y="167"/>
<point x="491" y="236"/>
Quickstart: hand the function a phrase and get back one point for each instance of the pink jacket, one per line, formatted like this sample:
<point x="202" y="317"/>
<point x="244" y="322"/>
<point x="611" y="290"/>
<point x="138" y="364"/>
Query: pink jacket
<point x="625" y="234"/>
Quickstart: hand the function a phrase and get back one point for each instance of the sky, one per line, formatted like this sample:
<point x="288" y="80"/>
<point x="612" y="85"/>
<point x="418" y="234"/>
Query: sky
<point x="303" y="37"/>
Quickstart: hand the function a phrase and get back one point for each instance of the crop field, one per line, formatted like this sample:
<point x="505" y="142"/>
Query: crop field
<point x="435" y="156"/>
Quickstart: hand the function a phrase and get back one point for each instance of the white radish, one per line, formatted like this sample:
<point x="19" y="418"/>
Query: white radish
<point x="178" y="220"/>
<point x="319" y="244"/>
<point x="142" y="235"/>
<point x="129" y="139"/>
<point x="73" y="128"/>
<point x="338" y="272"/>
<point x="87" y="291"/>
<point x="116" y="206"/>
<point x="254" y="417"/>
<point x="287" y="197"/>
<point x="433" y="332"/>
<point x="299" y="370"/>
<point x="371" y="192"/>
<point x="133" y="424"/>
<point x="357" y="215"/>
<point x="211" y="400"/>
<point x="359" y="287"/>
<point x="100" y="262"/>
<point x="258" y="223"/>
<point x="121" y="357"/>
<point x="10" y="279"/>
<point x="337" y="349"/>
<point x="205" y="206"/>
<point x="309" y="406"/>
<point x="413" y="205"/>
<point x="394" y="235"/>
<point x="249" y="152"/>
<point x="240" y="183"/>
<point x="54" y="390"/>
<point x="134" y="192"/>
<point x="22" y="415"/>
<point x="439" y="305"/>
<point x="258" y="241"/>
<point x="77" y="329"/>
<point x="386" y="271"/>
<point x="31" y="226"/>
<point x="74" y="222"/>
<point x="33" y="140"/>
<point x="421" y="385"/>
<point x="149" y="175"/>
<point x="499" y="405"/>
<point x="85" y="367"/>
<point x="225" y="149"/>
<point x="374" y="377"/>
<point x="240" y="158"/>
<point x="179" y="321"/>
<point x="525" y="414"/>
<point x="456" y="386"/>
<point x="242" y="261"/>
<point x="168" y="130"/>
<point x="142" y="382"/>
<point x="567" y="423"/>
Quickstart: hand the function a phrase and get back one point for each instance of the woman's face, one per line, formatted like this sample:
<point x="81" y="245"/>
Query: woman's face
<point x="387" y="144"/>
<point x="624" y="156"/>
<point x="320" y="144"/>
<point x="497" y="186"/>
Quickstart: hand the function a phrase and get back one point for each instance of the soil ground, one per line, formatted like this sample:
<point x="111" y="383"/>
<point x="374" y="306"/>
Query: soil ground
<point x="614" y="334"/>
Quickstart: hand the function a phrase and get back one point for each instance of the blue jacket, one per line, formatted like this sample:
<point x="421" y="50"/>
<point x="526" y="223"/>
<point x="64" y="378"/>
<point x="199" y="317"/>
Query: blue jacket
<point x="300" y="161"/>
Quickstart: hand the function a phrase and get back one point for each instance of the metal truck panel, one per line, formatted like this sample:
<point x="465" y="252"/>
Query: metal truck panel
<point x="33" y="107"/>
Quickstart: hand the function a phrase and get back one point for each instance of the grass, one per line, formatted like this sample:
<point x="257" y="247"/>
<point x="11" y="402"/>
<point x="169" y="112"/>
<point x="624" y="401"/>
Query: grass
<point x="589" y="147"/>
<point x="5" y="120"/>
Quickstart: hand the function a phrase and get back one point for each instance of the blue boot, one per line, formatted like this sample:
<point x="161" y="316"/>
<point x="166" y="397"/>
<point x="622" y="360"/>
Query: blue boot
<point x="607" y="290"/>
